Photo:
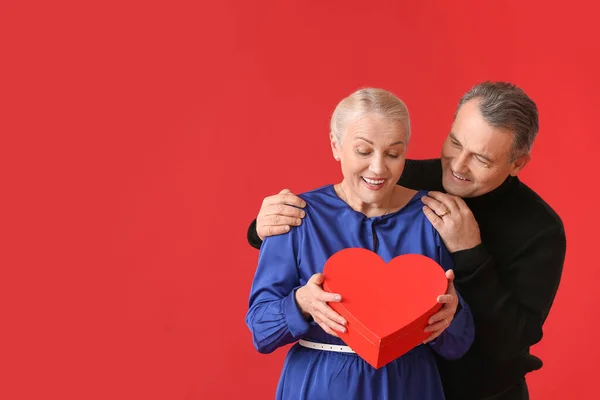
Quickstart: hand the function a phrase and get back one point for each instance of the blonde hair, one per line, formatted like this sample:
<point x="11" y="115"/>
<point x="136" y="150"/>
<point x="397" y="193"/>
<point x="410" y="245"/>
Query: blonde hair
<point x="366" y="101"/>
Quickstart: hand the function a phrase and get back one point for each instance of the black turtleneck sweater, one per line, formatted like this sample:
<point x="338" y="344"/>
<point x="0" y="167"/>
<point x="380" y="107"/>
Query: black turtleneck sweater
<point x="509" y="281"/>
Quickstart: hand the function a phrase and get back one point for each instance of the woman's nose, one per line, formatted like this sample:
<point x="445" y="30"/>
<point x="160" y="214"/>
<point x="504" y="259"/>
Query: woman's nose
<point x="376" y="165"/>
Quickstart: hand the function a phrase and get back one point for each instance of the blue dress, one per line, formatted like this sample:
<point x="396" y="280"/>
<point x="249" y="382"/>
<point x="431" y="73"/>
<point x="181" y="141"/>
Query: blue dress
<point x="286" y="262"/>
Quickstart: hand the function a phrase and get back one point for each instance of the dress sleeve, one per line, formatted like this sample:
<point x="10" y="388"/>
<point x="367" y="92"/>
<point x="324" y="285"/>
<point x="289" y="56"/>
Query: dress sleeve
<point x="456" y="340"/>
<point x="273" y="316"/>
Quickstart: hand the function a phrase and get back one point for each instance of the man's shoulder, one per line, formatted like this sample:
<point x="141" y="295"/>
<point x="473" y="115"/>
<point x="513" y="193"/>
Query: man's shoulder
<point x="422" y="174"/>
<point x="534" y="208"/>
<point x="423" y="166"/>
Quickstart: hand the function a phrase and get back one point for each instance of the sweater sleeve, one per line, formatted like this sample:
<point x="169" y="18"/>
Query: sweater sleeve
<point x="253" y="239"/>
<point x="511" y="309"/>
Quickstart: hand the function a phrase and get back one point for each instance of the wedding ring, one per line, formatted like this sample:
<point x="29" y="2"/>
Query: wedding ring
<point x="444" y="213"/>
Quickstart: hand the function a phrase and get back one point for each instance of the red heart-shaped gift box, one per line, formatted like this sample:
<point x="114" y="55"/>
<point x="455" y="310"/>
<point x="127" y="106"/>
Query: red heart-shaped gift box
<point x="386" y="305"/>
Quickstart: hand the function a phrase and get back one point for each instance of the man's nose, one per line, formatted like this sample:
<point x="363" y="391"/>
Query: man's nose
<point x="460" y="163"/>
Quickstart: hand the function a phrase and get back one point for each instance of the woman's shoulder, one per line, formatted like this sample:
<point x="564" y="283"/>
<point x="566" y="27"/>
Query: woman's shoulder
<point x="324" y="195"/>
<point x="408" y="198"/>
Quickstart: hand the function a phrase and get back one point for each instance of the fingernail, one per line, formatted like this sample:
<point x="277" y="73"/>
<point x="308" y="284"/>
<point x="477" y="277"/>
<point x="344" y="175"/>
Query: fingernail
<point x="342" y="322"/>
<point x="286" y="228"/>
<point x="298" y="221"/>
<point x="343" y="330"/>
<point x="338" y="298"/>
<point x="302" y="214"/>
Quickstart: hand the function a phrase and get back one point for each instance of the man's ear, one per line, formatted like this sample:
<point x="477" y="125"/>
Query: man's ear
<point x="519" y="163"/>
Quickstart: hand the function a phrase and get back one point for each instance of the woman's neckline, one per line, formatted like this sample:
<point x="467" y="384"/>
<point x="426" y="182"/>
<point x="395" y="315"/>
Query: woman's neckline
<point x="389" y="214"/>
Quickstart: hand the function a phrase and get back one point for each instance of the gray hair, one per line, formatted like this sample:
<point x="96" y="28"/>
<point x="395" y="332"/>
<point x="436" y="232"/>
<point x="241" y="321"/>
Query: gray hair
<point x="366" y="101"/>
<point x="506" y="106"/>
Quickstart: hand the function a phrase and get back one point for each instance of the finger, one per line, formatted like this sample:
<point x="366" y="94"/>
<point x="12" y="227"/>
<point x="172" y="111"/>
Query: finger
<point x="328" y="330"/>
<point x="431" y="202"/>
<point x="279" y="220"/>
<point x="433" y="336"/>
<point x="444" y="314"/>
<point x="446" y="299"/>
<point x="445" y="200"/>
<point x="293" y="200"/>
<point x="441" y="197"/>
<point x="283" y="210"/>
<point x="435" y="220"/>
<point x="450" y="276"/>
<point x="284" y="198"/>
<point x="441" y="325"/>
<point x="440" y="208"/>
<point x="428" y="339"/>
<point x="316" y="279"/>
<point x="329" y="313"/>
<point x="324" y="320"/>
<point x="270" y="230"/>
<point x="328" y="297"/>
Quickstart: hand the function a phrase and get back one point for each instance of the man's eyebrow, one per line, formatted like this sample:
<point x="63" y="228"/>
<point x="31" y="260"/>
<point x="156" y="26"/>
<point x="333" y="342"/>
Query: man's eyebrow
<point x="484" y="156"/>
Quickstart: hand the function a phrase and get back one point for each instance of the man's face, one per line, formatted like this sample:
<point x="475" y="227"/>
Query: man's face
<point x="476" y="156"/>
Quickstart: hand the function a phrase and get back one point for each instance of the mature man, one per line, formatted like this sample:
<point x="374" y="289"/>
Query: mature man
<point x="507" y="244"/>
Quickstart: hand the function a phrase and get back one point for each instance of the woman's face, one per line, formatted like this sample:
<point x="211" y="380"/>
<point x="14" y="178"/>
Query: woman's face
<point x="372" y="156"/>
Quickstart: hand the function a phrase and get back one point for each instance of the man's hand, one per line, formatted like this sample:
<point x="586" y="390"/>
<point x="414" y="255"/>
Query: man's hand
<point x="442" y="319"/>
<point x="453" y="219"/>
<point x="276" y="214"/>
<point x="312" y="300"/>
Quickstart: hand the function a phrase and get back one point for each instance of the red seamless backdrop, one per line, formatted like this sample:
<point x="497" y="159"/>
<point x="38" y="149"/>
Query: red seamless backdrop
<point x="138" y="140"/>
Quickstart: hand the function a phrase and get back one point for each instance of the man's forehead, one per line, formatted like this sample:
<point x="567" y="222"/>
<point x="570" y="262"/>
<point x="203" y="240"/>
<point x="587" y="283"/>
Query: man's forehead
<point x="492" y="144"/>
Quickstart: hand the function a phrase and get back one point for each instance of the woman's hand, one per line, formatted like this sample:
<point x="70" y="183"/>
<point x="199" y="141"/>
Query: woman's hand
<point x="312" y="301"/>
<point x="442" y="319"/>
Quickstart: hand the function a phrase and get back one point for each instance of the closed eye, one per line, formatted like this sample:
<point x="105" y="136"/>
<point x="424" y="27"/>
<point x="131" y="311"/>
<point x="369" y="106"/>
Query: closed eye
<point x="482" y="161"/>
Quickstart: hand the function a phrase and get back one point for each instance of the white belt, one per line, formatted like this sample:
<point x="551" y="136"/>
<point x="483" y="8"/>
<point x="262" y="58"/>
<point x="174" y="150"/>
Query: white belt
<point x="325" y="346"/>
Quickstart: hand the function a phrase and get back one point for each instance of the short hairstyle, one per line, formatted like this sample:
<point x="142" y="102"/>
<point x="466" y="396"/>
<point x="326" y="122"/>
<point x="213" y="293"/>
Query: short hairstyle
<point x="366" y="101"/>
<point x="506" y="106"/>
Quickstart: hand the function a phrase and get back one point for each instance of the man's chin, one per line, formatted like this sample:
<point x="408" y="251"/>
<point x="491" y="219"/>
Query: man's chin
<point x="456" y="189"/>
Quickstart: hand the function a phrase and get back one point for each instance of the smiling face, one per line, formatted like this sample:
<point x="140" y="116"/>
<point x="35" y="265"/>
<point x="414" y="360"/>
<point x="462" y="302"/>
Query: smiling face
<point x="476" y="155"/>
<point x="372" y="154"/>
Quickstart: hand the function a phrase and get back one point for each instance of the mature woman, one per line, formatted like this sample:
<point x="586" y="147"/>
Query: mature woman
<point x="370" y="131"/>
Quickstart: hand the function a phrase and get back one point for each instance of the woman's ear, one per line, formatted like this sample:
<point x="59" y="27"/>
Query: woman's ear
<point x="335" y="147"/>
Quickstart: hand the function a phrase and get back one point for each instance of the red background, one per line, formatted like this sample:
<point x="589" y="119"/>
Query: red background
<point x="138" y="140"/>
